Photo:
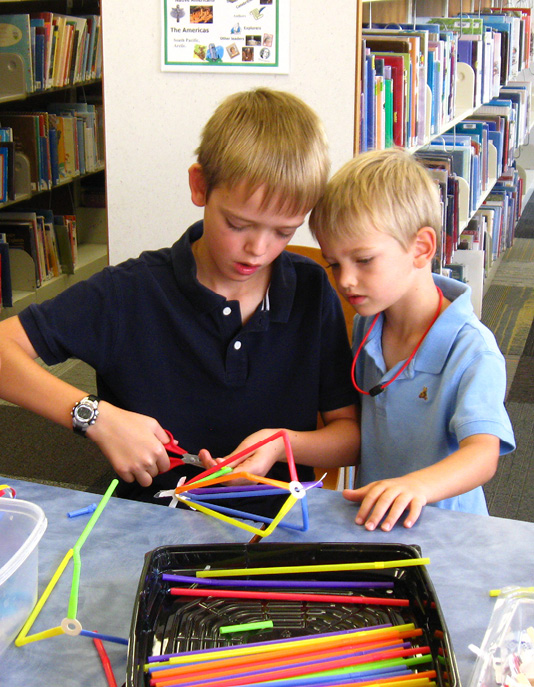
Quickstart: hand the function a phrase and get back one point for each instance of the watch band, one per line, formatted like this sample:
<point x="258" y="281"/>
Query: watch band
<point x="84" y="414"/>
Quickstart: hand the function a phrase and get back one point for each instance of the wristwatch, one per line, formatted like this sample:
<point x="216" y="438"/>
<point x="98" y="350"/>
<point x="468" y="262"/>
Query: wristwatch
<point x="84" y="414"/>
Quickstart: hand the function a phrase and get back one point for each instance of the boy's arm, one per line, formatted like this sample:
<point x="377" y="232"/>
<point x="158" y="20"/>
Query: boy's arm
<point x="131" y="442"/>
<point x="336" y="444"/>
<point x="472" y="465"/>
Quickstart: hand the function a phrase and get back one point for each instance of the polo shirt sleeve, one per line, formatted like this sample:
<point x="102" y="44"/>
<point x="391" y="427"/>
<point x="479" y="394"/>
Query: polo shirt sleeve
<point x="479" y="407"/>
<point x="81" y="322"/>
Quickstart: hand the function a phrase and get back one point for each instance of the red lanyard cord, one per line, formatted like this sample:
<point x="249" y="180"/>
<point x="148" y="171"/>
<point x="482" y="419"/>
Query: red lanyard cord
<point x="380" y="387"/>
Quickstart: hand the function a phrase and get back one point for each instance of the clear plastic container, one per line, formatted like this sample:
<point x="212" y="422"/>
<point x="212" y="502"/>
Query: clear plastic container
<point x="22" y="524"/>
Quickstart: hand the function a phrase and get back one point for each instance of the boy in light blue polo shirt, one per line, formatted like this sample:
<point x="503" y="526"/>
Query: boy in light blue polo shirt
<point x="430" y="376"/>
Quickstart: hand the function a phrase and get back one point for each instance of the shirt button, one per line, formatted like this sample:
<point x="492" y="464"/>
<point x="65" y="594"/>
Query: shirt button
<point x="237" y="345"/>
<point x="227" y="311"/>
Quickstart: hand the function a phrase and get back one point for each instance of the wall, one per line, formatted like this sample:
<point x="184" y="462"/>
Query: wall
<point x="154" y="118"/>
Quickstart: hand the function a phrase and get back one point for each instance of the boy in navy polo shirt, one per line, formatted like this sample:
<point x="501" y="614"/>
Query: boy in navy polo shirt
<point x="430" y="376"/>
<point x="222" y="338"/>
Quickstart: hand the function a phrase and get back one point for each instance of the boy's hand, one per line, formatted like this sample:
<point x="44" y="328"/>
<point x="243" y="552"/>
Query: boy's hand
<point x="391" y="496"/>
<point x="257" y="463"/>
<point x="132" y="443"/>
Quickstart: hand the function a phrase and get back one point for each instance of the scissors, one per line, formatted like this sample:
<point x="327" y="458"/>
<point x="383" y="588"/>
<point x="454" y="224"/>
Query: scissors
<point x="185" y="458"/>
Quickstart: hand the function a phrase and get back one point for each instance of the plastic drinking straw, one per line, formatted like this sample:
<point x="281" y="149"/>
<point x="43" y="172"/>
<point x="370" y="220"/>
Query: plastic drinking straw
<point x="366" y="676"/>
<point x="280" y="657"/>
<point x="331" y="567"/>
<point x="223" y="471"/>
<point x="82" y="511"/>
<point x="363" y="634"/>
<point x="103" y="637"/>
<point x="305" y="584"/>
<point x="249" y="516"/>
<point x="263" y="650"/>
<point x="269" y="673"/>
<point x="498" y="592"/>
<point x="349" y="664"/>
<point x="382" y="678"/>
<point x="45" y="634"/>
<point x="288" y="596"/>
<point x="106" y="664"/>
<point x="73" y="600"/>
<point x="286" y="507"/>
<point x="249" y="487"/>
<point x="229" y="493"/>
<point x="21" y="638"/>
<point x="245" y="627"/>
<point x="237" y="475"/>
<point x="289" y="456"/>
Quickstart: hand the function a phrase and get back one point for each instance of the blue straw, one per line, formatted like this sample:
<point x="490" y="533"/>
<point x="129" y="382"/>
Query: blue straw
<point x="104" y="638"/>
<point x="260" y="518"/>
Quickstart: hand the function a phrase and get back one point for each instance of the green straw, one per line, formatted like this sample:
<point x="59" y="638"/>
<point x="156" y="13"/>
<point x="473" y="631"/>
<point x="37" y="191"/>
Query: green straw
<point x="244" y="627"/>
<point x="76" y="558"/>
<point x="219" y="473"/>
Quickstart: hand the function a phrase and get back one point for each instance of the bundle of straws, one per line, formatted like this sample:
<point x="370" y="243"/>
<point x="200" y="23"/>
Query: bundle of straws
<point x="379" y="655"/>
<point x="383" y="654"/>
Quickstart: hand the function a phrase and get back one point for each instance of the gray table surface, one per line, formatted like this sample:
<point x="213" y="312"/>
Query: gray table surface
<point x="469" y="555"/>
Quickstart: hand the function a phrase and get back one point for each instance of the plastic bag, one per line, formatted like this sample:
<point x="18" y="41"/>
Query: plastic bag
<point x="506" y="656"/>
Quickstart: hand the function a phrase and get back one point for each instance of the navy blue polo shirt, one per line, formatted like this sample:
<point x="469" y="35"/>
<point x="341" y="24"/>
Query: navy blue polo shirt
<point x="164" y="345"/>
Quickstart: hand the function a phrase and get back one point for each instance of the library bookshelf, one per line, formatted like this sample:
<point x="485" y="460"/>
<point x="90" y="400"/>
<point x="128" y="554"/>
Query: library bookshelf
<point x="52" y="170"/>
<point x="463" y="68"/>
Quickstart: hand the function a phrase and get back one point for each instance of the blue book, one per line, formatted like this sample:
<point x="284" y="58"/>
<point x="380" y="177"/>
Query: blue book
<point x="370" y="101"/>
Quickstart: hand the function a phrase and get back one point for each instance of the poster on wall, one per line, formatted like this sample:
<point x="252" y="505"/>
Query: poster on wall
<point x="239" y="36"/>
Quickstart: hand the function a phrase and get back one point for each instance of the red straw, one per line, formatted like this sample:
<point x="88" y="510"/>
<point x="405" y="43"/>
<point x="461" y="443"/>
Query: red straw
<point x="108" y="670"/>
<point x="273" y="658"/>
<point x="286" y="596"/>
<point x="289" y="456"/>
<point x="310" y="668"/>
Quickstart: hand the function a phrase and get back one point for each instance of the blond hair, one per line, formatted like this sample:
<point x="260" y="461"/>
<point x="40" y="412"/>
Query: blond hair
<point x="386" y="190"/>
<point x="269" y="139"/>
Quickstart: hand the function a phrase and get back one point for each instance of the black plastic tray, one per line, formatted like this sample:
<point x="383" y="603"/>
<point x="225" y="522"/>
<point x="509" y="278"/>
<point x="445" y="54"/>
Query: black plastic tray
<point x="164" y="624"/>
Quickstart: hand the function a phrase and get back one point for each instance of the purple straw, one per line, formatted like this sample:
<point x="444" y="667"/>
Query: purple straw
<point x="165" y="657"/>
<point x="218" y="582"/>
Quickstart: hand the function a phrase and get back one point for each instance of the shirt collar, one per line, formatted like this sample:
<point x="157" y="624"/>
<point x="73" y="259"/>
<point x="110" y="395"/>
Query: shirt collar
<point x="433" y="353"/>
<point x="281" y="290"/>
<point x="435" y="349"/>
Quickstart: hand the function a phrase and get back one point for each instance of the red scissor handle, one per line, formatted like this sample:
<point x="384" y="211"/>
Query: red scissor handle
<point x="172" y="445"/>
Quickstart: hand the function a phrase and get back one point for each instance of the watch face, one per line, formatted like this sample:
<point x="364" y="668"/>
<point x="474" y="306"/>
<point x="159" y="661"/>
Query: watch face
<point x="84" y="413"/>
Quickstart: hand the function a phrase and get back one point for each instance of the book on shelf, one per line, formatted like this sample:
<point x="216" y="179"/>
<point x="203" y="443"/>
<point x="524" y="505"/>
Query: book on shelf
<point x="50" y="240"/>
<point x="67" y="243"/>
<point x="15" y="38"/>
<point x="22" y="234"/>
<point x="6" y="296"/>
<point x="60" y="144"/>
<point x="56" y="49"/>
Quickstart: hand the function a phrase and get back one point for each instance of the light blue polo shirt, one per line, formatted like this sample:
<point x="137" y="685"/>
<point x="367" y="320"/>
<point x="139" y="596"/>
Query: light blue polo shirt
<point x="453" y="388"/>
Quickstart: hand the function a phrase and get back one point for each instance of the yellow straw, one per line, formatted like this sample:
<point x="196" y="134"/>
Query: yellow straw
<point x="289" y="569"/>
<point x="275" y="646"/>
<point x="19" y="641"/>
<point x="45" y="634"/>
<point x="498" y="592"/>
<point x="288" y="504"/>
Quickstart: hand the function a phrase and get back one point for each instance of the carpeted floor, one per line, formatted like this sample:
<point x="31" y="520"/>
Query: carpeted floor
<point x="508" y="310"/>
<point x="34" y="449"/>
